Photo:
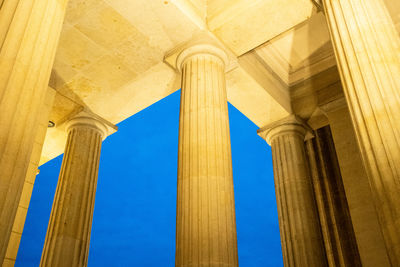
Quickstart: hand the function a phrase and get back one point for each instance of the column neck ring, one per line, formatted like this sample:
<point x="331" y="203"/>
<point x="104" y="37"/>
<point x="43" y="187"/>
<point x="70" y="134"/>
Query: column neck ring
<point x="206" y="49"/>
<point x="285" y="129"/>
<point x="87" y="122"/>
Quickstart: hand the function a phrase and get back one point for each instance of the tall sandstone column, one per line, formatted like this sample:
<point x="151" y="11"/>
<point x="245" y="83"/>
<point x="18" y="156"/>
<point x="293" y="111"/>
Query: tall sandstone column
<point x="333" y="209"/>
<point x="29" y="33"/>
<point x="19" y="221"/>
<point x="68" y="233"/>
<point x="205" y="227"/>
<point x="301" y="238"/>
<point x="367" y="49"/>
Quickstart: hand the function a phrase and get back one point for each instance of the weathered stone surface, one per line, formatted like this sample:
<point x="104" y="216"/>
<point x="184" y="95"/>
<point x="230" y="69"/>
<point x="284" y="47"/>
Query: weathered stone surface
<point x="68" y="233"/>
<point x="367" y="48"/>
<point x="29" y="33"/>
<point x="112" y="59"/>
<point x="301" y="239"/>
<point x="205" y="227"/>
<point x="19" y="221"/>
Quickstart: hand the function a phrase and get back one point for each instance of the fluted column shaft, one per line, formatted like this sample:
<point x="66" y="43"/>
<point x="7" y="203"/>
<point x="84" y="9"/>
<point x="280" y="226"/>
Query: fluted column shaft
<point x="367" y="49"/>
<point x="299" y="226"/>
<point x="336" y="225"/>
<point x="29" y="33"/>
<point x="19" y="221"/>
<point x="68" y="233"/>
<point x="205" y="227"/>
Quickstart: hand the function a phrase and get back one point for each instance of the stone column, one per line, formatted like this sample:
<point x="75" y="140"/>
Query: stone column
<point x="68" y="233"/>
<point x="29" y="33"/>
<point x="205" y="227"/>
<point x="363" y="214"/>
<point x="301" y="238"/>
<point x="19" y="221"/>
<point x="367" y="49"/>
<point x="333" y="210"/>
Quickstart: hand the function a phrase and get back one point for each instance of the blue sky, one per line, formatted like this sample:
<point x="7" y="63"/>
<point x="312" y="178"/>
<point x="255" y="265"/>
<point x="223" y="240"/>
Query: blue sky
<point x="134" y="216"/>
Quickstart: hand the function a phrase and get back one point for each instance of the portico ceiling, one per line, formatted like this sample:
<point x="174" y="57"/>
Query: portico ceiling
<point x="110" y="57"/>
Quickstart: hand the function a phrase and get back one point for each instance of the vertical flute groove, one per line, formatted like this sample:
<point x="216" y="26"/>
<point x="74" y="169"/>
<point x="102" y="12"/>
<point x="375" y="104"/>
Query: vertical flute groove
<point x="68" y="235"/>
<point x="338" y="233"/>
<point x="204" y="136"/>
<point x="301" y="238"/>
<point x="29" y="32"/>
<point x="367" y="48"/>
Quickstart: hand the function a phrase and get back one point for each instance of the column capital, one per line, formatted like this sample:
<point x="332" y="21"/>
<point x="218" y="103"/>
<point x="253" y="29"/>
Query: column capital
<point x="202" y="43"/>
<point x="203" y="93"/>
<point x="88" y="119"/>
<point x="289" y="125"/>
<point x="72" y="212"/>
<point x="201" y="49"/>
<point x="301" y="238"/>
